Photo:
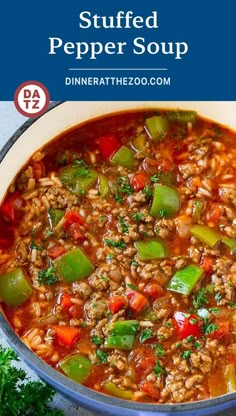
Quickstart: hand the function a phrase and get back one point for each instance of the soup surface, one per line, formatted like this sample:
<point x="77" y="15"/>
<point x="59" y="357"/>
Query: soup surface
<point x="117" y="256"/>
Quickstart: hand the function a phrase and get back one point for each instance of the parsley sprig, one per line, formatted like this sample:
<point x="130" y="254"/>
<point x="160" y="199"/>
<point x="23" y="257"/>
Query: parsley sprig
<point x="19" y="395"/>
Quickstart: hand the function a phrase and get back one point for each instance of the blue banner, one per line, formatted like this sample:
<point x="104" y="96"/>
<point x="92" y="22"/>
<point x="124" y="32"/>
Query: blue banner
<point x="120" y="50"/>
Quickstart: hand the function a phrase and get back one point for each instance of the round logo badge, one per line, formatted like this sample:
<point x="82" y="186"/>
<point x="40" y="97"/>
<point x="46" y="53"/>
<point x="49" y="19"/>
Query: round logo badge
<point x="31" y="99"/>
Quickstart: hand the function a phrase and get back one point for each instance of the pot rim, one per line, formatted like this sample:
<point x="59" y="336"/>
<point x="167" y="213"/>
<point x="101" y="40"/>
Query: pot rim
<point x="77" y="392"/>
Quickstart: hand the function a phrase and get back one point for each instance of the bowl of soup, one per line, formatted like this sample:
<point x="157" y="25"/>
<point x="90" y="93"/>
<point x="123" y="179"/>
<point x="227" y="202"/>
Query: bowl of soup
<point x="118" y="253"/>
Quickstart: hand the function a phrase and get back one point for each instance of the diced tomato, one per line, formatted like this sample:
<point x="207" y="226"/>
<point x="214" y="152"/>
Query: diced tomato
<point x="65" y="301"/>
<point x="166" y="165"/>
<point x="144" y="360"/>
<point x="150" y="389"/>
<point x="137" y="302"/>
<point x="10" y="206"/>
<point x="207" y="264"/>
<point x="139" y="180"/>
<point x="66" y="335"/>
<point x="214" y="213"/>
<point x="76" y="232"/>
<point x="38" y="169"/>
<point x="222" y="329"/>
<point x="56" y="251"/>
<point x="76" y="311"/>
<point x="6" y="234"/>
<point x="116" y="303"/>
<point x="153" y="290"/>
<point x="72" y="217"/>
<point x="187" y="324"/>
<point x="108" y="145"/>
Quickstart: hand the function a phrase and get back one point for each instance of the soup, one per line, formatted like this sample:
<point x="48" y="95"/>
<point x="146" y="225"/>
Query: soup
<point x="117" y="256"/>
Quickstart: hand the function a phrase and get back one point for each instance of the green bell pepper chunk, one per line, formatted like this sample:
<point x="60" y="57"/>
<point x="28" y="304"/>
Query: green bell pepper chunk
<point x="157" y="127"/>
<point x="206" y="235"/>
<point x="124" y="157"/>
<point x="77" y="367"/>
<point x="150" y="249"/>
<point x="104" y="188"/>
<point x="139" y="143"/>
<point x="76" y="179"/>
<point x="231" y="243"/>
<point x="15" y="287"/>
<point x="54" y="216"/>
<point x="112" y="389"/>
<point x="73" y="265"/>
<point x="166" y="201"/>
<point x="183" y="116"/>
<point x="165" y="178"/>
<point x="121" y="342"/>
<point x="185" y="279"/>
<point x="124" y="327"/>
<point x="198" y="207"/>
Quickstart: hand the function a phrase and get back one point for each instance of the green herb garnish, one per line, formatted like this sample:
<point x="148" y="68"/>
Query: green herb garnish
<point x="102" y="357"/>
<point x="112" y="243"/>
<point x="146" y="334"/>
<point x="19" y="395"/>
<point x="47" y="276"/>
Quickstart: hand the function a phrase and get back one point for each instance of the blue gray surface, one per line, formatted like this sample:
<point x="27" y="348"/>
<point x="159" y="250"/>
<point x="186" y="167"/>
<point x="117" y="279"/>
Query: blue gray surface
<point x="10" y="120"/>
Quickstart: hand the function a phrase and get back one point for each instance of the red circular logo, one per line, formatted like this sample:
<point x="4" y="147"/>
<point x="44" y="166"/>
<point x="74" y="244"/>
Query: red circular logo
<point x="31" y="99"/>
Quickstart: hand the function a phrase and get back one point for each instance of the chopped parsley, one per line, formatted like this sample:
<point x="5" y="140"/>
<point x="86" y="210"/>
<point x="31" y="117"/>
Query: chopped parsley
<point x="158" y="370"/>
<point x="218" y="297"/>
<point x="104" y="278"/>
<point x="102" y="357"/>
<point x="146" y="334"/>
<point x="200" y="299"/>
<point x="112" y="243"/>
<point x="137" y="216"/>
<point x="131" y="286"/>
<point x="122" y="187"/>
<point x="83" y="170"/>
<point x="34" y="245"/>
<point x="123" y="226"/>
<point x="96" y="340"/>
<point x="232" y="304"/>
<point x="193" y="321"/>
<point x="47" y="276"/>
<point x="208" y="328"/>
<point x="147" y="191"/>
<point x="155" y="178"/>
<point x="160" y="352"/>
<point x="188" y="339"/>
<point x="110" y="256"/>
<point x="186" y="354"/>
<point x="134" y="263"/>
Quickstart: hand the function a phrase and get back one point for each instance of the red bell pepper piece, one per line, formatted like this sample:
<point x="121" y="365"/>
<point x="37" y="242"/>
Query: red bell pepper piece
<point x="76" y="232"/>
<point x="56" y="251"/>
<point x="11" y="204"/>
<point x="116" y="303"/>
<point x="137" y="302"/>
<point x="214" y="213"/>
<point x="139" y="180"/>
<point x="108" y="145"/>
<point x="72" y="217"/>
<point x="207" y="264"/>
<point x="66" y="335"/>
<point x="65" y="301"/>
<point x="150" y="389"/>
<point x="153" y="290"/>
<point x="38" y="169"/>
<point x="187" y="324"/>
<point x="6" y="234"/>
